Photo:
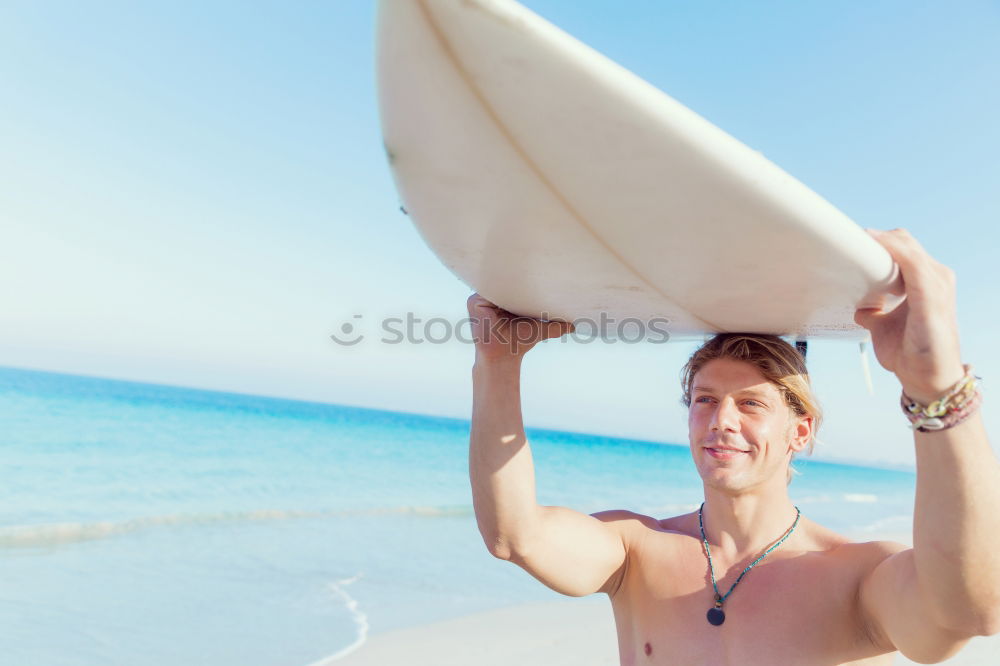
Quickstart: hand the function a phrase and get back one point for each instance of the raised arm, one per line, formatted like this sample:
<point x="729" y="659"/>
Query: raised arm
<point x="570" y="552"/>
<point x="931" y="599"/>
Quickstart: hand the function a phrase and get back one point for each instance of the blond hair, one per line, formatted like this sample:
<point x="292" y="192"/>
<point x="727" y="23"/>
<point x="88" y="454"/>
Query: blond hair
<point x="779" y="362"/>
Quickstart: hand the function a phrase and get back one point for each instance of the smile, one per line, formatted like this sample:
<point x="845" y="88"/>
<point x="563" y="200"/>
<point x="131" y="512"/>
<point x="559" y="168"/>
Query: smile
<point x="724" y="454"/>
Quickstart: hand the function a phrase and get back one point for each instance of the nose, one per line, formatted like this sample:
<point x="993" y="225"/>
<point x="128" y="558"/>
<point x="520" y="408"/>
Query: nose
<point x="725" y="417"/>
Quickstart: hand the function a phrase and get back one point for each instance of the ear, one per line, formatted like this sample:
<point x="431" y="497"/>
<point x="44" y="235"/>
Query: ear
<point x="801" y="433"/>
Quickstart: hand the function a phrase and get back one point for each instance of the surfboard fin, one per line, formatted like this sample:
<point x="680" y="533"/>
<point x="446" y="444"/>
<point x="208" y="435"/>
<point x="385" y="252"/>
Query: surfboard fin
<point x="866" y="366"/>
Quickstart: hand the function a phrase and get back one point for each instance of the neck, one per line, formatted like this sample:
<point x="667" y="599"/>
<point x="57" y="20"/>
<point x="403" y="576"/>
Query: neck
<point x="741" y="526"/>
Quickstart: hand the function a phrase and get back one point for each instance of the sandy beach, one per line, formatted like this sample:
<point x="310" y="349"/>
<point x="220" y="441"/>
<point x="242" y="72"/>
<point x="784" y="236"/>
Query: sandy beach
<point x="574" y="632"/>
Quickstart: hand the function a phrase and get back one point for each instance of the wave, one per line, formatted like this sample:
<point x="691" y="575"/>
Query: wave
<point x="57" y="534"/>
<point x="359" y="617"/>
<point x="669" y="509"/>
<point x="902" y="523"/>
<point x="677" y="509"/>
<point x="864" y="498"/>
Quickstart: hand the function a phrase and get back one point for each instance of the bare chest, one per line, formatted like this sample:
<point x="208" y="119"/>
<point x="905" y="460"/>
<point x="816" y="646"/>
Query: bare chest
<point x="792" y="608"/>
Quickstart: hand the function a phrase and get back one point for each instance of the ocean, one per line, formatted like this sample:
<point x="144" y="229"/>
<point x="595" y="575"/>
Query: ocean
<point x="156" y="525"/>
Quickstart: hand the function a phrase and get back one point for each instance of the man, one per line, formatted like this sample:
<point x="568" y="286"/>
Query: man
<point x="815" y="597"/>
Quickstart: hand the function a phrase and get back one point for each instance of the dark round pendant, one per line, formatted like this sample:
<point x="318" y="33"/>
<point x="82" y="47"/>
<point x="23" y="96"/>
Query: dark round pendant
<point x="716" y="616"/>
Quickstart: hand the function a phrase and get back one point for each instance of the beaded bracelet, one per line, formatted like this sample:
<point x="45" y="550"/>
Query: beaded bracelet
<point x="962" y="400"/>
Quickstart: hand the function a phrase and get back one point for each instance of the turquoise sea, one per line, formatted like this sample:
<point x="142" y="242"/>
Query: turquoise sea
<point x="155" y="525"/>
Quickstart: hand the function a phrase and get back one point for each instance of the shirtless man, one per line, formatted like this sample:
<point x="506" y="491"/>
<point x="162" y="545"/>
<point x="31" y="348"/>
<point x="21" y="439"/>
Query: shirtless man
<point x="817" y="598"/>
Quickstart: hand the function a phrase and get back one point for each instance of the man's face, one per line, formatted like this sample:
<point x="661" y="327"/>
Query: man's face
<point x="741" y="430"/>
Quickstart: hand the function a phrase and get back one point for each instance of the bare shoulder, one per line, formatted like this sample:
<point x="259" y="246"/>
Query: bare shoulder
<point x="823" y="540"/>
<point x="631" y="526"/>
<point x="626" y="522"/>
<point x="681" y="523"/>
<point x="685" y="524"/>
<point x="868" y="554"/>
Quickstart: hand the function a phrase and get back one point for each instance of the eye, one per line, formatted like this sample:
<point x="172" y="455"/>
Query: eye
<point x="755" y="404"/>
<point x="703" y="398"/>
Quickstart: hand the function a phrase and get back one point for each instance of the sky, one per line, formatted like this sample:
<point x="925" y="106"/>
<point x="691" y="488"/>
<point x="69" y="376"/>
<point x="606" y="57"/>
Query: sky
<point x="196" y="194"/>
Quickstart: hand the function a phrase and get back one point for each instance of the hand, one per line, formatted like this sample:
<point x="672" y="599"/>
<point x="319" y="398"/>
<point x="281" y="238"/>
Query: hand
<point x="501" y="335"/>
<point x="918" y="340"/>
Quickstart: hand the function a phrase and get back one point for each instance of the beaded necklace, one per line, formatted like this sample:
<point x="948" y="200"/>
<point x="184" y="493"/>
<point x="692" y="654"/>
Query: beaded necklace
<point x="716" y="615"/>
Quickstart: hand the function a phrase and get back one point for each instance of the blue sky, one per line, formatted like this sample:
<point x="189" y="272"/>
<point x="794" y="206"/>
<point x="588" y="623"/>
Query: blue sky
<point x="195" y="193"/>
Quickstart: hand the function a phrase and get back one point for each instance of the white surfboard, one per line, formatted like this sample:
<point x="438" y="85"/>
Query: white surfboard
<point x="559" y="185"/>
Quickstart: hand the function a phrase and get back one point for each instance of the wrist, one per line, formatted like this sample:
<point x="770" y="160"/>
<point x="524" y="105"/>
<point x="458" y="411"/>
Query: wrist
<point x="503" y="363"/>
<point x="927" y="391"/>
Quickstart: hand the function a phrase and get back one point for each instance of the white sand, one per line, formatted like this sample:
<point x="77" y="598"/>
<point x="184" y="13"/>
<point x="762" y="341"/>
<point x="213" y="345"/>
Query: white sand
<point x="575" y="632"/>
